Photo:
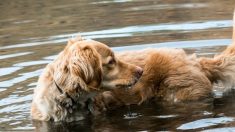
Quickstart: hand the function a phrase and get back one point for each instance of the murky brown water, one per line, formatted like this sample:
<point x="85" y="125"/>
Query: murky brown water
<point x="33" y="32"/>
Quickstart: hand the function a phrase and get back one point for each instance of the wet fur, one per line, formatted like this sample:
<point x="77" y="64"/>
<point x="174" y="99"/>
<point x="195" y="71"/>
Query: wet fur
<point x="81" y="69"/>
<point x="172" y="75"/>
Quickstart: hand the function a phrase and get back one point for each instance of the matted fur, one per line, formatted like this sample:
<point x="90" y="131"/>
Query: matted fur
<point x="174" y="76"/>
<point x="84" y="66"/>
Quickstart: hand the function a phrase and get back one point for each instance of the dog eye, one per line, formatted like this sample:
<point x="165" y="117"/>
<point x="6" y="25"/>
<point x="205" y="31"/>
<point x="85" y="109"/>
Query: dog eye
<point x="112" y="61"/>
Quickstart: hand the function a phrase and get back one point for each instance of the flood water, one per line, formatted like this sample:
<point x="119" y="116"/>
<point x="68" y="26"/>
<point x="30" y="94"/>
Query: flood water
<point x="32" y="33"/>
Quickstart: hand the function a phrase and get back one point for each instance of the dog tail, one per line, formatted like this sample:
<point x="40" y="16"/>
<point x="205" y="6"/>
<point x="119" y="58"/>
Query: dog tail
<point x="222" y="67"/>
<point x="231" y="48"/>
<point x="233" y="28"/>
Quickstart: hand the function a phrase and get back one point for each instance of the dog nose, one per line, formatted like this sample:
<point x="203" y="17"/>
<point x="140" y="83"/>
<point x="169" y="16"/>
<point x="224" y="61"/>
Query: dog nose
<point x="139" y="72"/>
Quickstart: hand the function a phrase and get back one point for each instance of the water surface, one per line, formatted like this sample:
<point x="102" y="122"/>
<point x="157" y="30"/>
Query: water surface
<point x="32" y="33"/>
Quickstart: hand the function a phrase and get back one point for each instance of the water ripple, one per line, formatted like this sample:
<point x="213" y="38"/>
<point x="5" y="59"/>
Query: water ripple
<point x="188" y="26"/>
<point x="179" y="44"/>
<point x="166" y="6"/>
<point x="31" y="63"/>
<point x="165" y="116"/>
<point x="14" y="55"/>
<point x="205" y="123"/>
<point x="8" y="70"/>
<point x="23" y="77"/>
<point x="113" y="1"/>
<point x="226" y="129"/>
<point x="131" y="31"/>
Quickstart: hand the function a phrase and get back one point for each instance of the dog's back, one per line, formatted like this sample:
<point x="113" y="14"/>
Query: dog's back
<point x="172" y="75"/>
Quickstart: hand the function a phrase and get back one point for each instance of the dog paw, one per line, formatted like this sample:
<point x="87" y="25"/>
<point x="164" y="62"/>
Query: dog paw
<point x="64" y="101"/>
<point x="96" y="105"/>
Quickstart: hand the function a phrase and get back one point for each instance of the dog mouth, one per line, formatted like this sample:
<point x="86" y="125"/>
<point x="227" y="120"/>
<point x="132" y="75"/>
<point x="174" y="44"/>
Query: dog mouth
<point x="124" y="86"/>
<point x="127" y="85"/>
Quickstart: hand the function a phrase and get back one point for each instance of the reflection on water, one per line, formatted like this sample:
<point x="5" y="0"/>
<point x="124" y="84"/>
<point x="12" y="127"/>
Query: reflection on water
<point x="33" y="32"/>
<point x="205" y="123"/>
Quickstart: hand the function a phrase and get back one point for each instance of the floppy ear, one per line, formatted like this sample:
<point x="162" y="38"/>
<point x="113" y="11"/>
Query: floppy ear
<point x="78" y="67"/>
<point x="85" y="62"/>
<point x="97" y="79"/>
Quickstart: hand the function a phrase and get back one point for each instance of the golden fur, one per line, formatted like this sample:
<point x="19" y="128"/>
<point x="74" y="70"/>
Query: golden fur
<point x="171" y="75"/>
<point x="82" y="67"/>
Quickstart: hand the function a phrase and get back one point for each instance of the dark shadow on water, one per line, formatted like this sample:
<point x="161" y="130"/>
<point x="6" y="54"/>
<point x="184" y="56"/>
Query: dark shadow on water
<point x="83" y="126"/>
<point x="155" y="116"/>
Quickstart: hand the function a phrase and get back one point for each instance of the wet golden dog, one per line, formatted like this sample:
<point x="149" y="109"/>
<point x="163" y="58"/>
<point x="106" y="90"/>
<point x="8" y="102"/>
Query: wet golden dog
<point x="173" y="76"/>
<point x="82" y="67"/>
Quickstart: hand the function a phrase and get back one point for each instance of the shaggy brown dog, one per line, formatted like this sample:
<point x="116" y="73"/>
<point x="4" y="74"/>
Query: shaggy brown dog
<point x="171" y="75"/>
<point x="82" y="67"/>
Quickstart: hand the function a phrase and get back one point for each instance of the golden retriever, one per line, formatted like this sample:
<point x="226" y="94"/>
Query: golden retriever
<point x="84" y="66"/>
<point x="171" y="75"/>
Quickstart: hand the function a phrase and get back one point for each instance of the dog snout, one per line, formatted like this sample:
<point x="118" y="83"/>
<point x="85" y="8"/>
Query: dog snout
<point x="139" y="72"/>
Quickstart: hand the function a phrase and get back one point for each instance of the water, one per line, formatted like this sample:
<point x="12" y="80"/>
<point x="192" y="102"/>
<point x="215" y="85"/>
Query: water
<point x="32" y="33"/>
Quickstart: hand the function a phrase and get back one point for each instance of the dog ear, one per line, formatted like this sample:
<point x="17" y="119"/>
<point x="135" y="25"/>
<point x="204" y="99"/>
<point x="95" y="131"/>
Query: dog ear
<point x="96" y="81"/>
<point x="60" y="65"/>
<point x="86" y="63"/>
<point x="64" y="71"/>
<point x="78" y="66"/>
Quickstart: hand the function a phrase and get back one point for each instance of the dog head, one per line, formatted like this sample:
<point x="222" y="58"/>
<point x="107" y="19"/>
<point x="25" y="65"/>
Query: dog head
<point x="89" y="65"/>
<point x="116" y="73"/>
